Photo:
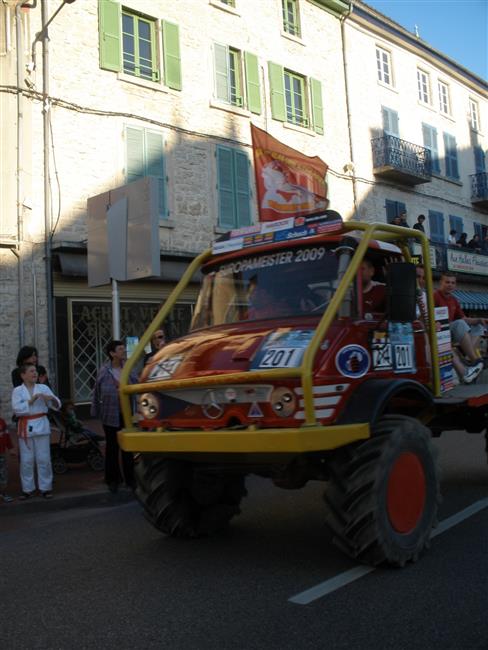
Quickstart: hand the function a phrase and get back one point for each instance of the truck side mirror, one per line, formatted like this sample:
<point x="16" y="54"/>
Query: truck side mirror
<point x="401" y="290"/>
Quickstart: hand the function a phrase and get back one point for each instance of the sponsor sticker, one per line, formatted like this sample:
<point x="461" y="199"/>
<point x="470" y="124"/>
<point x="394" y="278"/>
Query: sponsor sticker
<point x="353" y="361"/>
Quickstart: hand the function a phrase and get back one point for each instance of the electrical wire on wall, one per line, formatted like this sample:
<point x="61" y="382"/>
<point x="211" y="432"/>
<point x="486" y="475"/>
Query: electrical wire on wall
<point x="56" y="101"/>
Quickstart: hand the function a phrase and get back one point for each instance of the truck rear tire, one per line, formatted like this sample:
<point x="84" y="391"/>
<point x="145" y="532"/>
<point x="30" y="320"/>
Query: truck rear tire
<point x="182" y="500"/>
<point x="383" y="493"/>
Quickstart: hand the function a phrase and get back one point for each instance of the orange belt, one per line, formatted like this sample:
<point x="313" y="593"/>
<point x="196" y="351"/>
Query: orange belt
<point x="22" y="425"/>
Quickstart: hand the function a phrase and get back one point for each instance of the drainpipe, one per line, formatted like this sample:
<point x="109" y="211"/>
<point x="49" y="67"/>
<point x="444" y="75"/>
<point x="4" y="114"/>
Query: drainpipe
<point x="348" y="108"/>
<point x="46" y="108"/>
<point x="20" y="171"/>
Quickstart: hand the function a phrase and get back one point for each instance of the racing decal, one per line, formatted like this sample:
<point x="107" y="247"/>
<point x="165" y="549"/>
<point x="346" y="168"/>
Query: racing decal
<point x="274" y="259"/>
<point x="402" y="346"/>
<point x="353" y="361"/>
<point x="282" y="350"/>
<point x="165" y="369"/>
<point x="381" y="351"/>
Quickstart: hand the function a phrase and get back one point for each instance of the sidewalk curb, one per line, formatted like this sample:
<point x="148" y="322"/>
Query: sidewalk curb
<point x="66" y="501"/>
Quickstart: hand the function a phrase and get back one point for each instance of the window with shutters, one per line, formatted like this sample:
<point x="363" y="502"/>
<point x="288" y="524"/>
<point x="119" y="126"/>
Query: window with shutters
<point x="479" y="159"/>
<point x="383" y="64"/>
<point x="295" y="99"/>
<point x="291" y="19"/>
<point x="237" y="78"/>
<point x="429" y="134"/>
<point x="233" y="187"/>
<point x="394" y="209"/>
<point x="390" y="121"/>
<point x="456" y="223"/>
<point x="450" y="156"/>
<point x="474" y="115"/>
<point x="423" y="83"/>
<point x="444" y="99"/>
<point x="436" y="225"/>
<point x="145" y="157"/>
<point x="138" y="45"/>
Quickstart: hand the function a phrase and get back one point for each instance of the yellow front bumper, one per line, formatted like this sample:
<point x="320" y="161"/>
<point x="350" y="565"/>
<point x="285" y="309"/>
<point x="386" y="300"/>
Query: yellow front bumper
<point x="244" y="441"/>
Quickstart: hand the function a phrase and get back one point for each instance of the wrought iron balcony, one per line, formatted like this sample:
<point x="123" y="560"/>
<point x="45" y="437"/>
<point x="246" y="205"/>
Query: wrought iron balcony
<point x="401" y="161"/>
<point x="479" y="190"/>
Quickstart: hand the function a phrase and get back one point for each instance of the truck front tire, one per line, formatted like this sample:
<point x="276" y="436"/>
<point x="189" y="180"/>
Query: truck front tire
<point x="183" y="500"/>
<point x="383" y="493"/>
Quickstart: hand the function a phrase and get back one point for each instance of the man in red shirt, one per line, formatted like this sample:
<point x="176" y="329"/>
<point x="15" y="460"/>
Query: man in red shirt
<point x="461" y="332"/>
<point x="374" y="293"/>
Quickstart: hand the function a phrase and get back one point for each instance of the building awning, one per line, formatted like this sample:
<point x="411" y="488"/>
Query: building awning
<point x="472" y="299"/>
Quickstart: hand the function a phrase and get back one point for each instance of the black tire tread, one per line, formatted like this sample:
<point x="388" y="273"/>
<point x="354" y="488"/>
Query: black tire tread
<point x="352" y="493"/>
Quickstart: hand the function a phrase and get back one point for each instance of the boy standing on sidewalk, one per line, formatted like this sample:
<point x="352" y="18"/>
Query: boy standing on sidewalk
<point x="5" y="445"/>
<point x="30" y="403"/>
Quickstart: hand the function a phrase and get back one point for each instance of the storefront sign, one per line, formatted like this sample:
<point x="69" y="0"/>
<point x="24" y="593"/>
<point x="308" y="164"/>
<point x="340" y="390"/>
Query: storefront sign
<point x="467" y="262"/>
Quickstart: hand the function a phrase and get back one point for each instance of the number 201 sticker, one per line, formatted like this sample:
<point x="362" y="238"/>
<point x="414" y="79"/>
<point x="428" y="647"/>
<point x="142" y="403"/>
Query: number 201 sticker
<point x="281" y="358"/>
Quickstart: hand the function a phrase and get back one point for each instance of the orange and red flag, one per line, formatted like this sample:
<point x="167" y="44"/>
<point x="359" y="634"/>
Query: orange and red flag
<point x="288" y="182"/>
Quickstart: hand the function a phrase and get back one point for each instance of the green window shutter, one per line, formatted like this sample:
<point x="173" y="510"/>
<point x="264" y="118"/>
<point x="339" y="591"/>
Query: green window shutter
<point x="155" y="166"/>
<point x="136" y="167"/>
<point x="243" y="198"/>
<point x="277" y="91"/>
<point x="110" y="17"/>
<point x="252" y="83"/>
<point x="225" y="184"/>
<point x="172" y="58"/>
<point x="221" y="59"/>
<point x="317" y="108"/>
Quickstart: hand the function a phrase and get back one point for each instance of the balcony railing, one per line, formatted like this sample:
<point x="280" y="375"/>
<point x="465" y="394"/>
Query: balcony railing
<point x="444" y="257"/>
<point x="479" y="189"/>
<point x="402" y="161"/>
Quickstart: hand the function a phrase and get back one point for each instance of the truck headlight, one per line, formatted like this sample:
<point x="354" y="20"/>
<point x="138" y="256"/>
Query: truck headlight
<point x="149" y="406"/>
<point x="283" y="402"/>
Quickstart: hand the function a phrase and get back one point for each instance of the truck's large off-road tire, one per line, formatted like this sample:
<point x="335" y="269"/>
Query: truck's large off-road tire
<point x="383" y="493"/>
<point x="182" y="500"/>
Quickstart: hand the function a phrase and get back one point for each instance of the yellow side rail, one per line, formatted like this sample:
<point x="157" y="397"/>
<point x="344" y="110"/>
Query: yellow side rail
<point x="388" y="233"/>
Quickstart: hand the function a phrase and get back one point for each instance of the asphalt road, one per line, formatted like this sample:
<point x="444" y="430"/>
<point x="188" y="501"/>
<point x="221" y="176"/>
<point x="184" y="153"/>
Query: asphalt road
<point x="103" y="578"/>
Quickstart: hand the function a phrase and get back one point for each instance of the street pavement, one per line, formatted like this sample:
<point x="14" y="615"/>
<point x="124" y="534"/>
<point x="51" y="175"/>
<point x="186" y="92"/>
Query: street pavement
<point x="103" y="578"/>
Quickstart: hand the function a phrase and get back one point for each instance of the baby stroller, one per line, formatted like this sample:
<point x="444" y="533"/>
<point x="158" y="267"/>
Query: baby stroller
<point x="76" y="443"/>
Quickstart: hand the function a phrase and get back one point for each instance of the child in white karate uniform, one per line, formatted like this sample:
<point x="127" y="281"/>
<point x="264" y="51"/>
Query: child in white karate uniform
<point x="30" y="403"/>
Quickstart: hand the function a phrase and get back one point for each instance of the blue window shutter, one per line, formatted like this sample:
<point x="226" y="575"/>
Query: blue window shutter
<point x="221" y="60"/>
<point x="451" y="156"/>
<point x="243" y="199"/>
<point x="155" y="165"/>
<point x="478" y="230"/>
<point x="226" y="188"/>
<point x="436" y="223"/>
<point x="390" y="121"/>
<point x="456" y="223"/>
<point x="479" y="160"/>
<point x="430" y="142"/>
<point x="394" y="209"/>
<point x="136" y="167"/>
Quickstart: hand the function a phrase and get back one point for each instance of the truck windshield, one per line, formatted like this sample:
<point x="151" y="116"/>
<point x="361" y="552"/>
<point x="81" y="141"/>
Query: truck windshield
<point x="292" y="282"/>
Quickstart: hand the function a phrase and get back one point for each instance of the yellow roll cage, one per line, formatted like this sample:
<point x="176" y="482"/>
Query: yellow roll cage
<point x="380" y="231"/>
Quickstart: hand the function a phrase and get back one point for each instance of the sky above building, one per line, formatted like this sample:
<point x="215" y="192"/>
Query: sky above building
<point x="457" y="28"/>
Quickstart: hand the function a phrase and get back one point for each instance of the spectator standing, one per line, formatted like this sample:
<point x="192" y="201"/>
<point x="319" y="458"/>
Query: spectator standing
<point x="420" y="223"/>
<point x="28" y="354"/>
<point x="106" y="406"/>
<point x="475" y="244"/>
<point x="452" y="239"/>
<point x="30" y="403"/>
<point x="158" y="340"/>
<point x="463" y="240"/>
<point x="403" y="220"/>
<point x="5" y="445"/>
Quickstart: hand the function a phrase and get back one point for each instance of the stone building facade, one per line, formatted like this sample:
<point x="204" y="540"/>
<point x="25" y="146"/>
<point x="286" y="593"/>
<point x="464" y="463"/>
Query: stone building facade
<point x="147" y="87"/>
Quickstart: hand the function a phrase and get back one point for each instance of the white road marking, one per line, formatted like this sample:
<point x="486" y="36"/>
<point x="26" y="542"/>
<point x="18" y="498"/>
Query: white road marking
<point x="338" y="581"/>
